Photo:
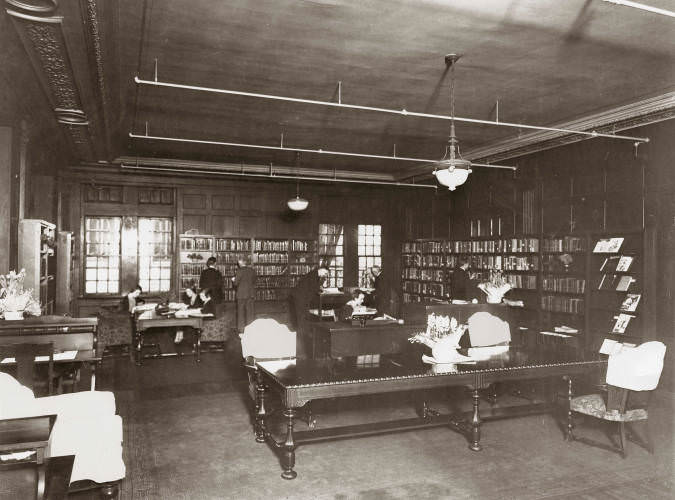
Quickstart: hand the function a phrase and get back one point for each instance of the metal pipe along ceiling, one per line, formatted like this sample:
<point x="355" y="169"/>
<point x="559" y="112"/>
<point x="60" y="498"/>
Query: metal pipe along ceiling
<point x="272" y="176"/>
<point x="301" y="150"/>
<point x="402" y="112"/>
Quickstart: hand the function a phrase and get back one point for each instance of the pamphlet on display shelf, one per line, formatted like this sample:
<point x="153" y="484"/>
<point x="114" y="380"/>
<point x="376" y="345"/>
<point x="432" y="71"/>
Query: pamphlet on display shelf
<point x="631" y="302"/>
<point x="621" y="323"/>
<point x="608" y="245"/>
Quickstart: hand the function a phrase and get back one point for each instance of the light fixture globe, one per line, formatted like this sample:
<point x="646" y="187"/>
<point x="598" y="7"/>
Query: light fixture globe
<point x="452" y="176"/>
<point x="297" y="204"/>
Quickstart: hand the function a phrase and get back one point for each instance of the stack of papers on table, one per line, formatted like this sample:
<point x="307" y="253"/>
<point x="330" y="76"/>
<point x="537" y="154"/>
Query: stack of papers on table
<point x="58" y="356"/>
<point x="326" y="313"/>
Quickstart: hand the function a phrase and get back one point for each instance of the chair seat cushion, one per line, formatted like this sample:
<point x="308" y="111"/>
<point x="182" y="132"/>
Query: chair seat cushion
<point x="594" y="405"/>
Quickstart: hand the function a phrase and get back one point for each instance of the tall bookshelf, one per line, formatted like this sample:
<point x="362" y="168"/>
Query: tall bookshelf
<point x="37" y="256"/>
<point x="563" y="289"/>
<point x="424" y="269"/>
<point x="616" y="280"/>
<point x="302" y="258"/>
<point x="270" y="261"/>
<point x="195" y="249"/>
<point x="228" y="252"/>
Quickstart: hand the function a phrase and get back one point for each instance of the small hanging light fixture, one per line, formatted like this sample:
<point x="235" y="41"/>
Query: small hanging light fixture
<point x="297" y="204"/>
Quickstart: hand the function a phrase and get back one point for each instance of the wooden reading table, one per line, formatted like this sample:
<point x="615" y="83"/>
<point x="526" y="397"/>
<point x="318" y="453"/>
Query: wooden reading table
<point x="146" y="320"/>
<point x="300" y="381"/>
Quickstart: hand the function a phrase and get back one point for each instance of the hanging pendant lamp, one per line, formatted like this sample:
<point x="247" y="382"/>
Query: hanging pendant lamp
<point x="297" y="204"/>
<point x="452" y="170"/>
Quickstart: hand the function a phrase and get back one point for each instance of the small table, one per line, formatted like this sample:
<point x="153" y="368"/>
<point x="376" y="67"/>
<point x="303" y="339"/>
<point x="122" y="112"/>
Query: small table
<point x="150" y="319"/>
<point x="27" y="434"/>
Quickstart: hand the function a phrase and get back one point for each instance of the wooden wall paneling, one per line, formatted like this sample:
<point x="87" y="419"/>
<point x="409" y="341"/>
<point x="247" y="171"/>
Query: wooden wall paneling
<point x="251" y="226"/>
<point x="194" y="201"/>
<point x="556" y="216"/>
<point x="624" y="178"/>
<point x="222" y="201"/>
<point x="6" y="150"/>
<point x="624" y="212"/>
<point x="200" y="222"/>
<point x="224" y="225"/>
<point x="588" y="214"/>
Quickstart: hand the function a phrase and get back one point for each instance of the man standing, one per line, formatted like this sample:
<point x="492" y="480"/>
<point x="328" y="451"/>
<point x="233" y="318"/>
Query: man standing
<point x="303" y="295"/>
<point x="244" y="283"/>
<point x="460" y="282"/>
<point x="212" y="279"/>
<point x="380" y="291"/>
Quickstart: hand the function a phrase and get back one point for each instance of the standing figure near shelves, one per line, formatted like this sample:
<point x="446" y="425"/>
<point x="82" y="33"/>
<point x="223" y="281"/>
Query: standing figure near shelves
<point x="208" y="302"/>
<point x="380" y="290"/>
<point x="460" y="283"/>
<point x="212" y="279"/>
<point x="302" y="296"/>
<point x="244" y="283"/>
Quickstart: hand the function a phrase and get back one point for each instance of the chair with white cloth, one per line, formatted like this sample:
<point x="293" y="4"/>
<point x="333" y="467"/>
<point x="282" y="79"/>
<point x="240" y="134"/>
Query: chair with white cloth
<point x="265" y="339"/>
<point x="631" y="376"/>
<point x="487" y="330"/>
<point x="86" y="426"/>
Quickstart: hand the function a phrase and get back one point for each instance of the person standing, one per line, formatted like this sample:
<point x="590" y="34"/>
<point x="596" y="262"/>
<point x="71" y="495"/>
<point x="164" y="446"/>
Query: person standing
<point x="244" y="283"/>
<point x="380" y="292"/>
<point x="460" y="281"/>
<point x="305" y="292"/>
<point x="212" y="279"/>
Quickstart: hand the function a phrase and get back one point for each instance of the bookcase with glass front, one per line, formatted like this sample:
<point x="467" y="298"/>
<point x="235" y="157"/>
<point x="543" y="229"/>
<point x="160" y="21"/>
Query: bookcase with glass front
<point x="616" y="287"/>
<point x="37" y="258"/>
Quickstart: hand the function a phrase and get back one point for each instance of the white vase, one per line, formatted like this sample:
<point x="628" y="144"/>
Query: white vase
<point x="494" y="298"/>
<point x="13" y="315"/>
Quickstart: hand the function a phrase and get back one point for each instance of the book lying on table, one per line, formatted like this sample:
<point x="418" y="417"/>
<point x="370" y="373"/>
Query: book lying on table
<point x="631" y="302"/>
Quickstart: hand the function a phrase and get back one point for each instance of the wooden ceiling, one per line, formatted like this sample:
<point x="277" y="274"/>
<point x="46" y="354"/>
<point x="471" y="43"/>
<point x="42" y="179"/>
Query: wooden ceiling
<point x="546" y="62"/>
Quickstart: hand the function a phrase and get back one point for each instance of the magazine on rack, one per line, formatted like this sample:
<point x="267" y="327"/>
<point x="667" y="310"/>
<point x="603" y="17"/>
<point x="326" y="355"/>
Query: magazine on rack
<point x="631" y="302"/>
<point x="621" y="323"/>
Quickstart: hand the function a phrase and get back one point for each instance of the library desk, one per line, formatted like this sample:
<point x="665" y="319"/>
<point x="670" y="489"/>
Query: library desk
<point x="81" y="341"/>
<point x="150" y="319"/>
<point x="50" y="325"/>
<point x="339" y="339"/>
<point x="300" y="381"/>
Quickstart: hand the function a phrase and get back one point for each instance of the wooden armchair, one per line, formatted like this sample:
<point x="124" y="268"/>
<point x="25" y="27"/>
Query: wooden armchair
<point x="631" y="377"/>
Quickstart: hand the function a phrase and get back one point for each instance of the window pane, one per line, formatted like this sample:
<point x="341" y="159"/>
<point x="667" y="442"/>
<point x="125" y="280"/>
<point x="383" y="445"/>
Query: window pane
<point x="154" y="248"/>
<point x="90" y="287"/>
<point x="102" y="248"/>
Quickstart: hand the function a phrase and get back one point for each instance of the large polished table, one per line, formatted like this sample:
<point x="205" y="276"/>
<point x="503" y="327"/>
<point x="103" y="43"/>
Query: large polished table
<point x="297" y="382"/>
<point x="145" y="320"/>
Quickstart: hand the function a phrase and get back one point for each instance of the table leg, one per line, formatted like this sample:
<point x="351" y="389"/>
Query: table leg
<point x="475" y="423"/>
<point x="570" y="416"/>
<point x="198" y="349"/>
<point x="261" y="411"/>
<point x="93" y="376"/>
<point x="40" y="491"/>
<point x="288" y="453"/>
<point x="139" y="348"/>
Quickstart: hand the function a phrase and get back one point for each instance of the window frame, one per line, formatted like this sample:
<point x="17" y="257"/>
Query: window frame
<point x="169" y="255"/>
<point x="86" y="256"/>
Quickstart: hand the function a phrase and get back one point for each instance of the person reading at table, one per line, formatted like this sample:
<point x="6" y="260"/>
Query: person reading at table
<point x="208" y="303"/>
<point x="190" y="298"/>
<point x="132" y="299"/>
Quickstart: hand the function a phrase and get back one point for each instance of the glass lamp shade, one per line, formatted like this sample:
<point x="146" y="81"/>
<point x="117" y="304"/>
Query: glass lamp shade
<point x="297" y="204"/>
<point x="452" y="176"/>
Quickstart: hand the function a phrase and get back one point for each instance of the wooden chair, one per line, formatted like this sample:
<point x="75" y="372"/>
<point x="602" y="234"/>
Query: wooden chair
<point x="24" y="355"/>
<point x="486" y="330"/>
<point x="631" y="377"/>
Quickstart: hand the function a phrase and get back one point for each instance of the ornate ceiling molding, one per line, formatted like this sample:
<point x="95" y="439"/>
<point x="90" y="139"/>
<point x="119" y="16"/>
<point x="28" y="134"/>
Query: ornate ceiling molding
<point x="644" y="112"/>
<point x="43" y="39"/>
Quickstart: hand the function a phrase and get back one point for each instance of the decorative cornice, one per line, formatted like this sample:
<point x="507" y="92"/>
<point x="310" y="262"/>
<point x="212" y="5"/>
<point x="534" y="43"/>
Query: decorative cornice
<point x="38" y="7"/>
<point x="44" y="42"/>
<point x="643" y="112"/>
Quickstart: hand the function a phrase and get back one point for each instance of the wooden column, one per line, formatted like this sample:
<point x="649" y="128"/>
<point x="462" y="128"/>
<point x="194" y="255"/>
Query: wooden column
<point x="5" y="197"/>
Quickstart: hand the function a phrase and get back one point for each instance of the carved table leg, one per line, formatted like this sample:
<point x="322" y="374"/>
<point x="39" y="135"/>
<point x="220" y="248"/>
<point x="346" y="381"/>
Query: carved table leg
<point x="139" y="349"/>
<point x="40" y="492"/>
<point x="261" y="412"/>
<point x="110" y="490"/>
<point x="288" y="453"/>
<point x="570" y="415"/>
<point x="475" y="424"/>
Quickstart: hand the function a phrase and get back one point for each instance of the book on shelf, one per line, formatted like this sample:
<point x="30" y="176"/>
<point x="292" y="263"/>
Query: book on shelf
<point x="608" y="245"/>
<point x="621" y="323"/>
<point x="624" y="283"/>
<point x="631" y="302"/>
<point x="624" y="263"/>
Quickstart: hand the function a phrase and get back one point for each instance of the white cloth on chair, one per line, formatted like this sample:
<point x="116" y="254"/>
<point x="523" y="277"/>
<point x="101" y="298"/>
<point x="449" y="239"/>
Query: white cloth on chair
<point x="638" y="368"/>
<point x="486" y="329"/>
<point x="265" y="338"/>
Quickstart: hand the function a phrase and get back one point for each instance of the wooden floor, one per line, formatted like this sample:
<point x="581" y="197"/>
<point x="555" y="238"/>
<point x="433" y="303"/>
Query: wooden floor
<point x="188" y="436"/>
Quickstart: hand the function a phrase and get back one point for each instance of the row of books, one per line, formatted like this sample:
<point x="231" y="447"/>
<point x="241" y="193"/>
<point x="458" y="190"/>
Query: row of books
<point x="412" y="286"/>
<point x="426" y="274"/>
<point x="271" y="245"/>
<point x="557" y="303"/>
<point x="299" y="269"/>
<point x="409" y="298"/>
<point x="303" y="245"/>
<point x="565" y="244"/>
<point x="228" y="258"/>
<point x="271" y="282"/>
<point x="504" y="262"/>
<point x="269" y="270"/>
<point x="618" y="282"/>
<point x="270" y="294"/>
<point x="191" y="269"/>
<point x="516" y="245"/>
<point x="271" y="258"/>
<point x="563" y="284"/>
<point x="227" y="245"/>
<point x="196" y="244"/>
<point x="523" y="281"/>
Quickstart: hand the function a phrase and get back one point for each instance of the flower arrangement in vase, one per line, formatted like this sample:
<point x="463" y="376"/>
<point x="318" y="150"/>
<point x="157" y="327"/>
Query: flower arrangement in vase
<point x="14" y="299"/>
<point x="442" y="336"/>
<point x="495" y="287"/>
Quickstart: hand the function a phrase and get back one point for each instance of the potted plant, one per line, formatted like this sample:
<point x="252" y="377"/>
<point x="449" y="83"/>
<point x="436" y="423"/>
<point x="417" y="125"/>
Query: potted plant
<point x="14" y="299"/>
<point x="495" y="287"/>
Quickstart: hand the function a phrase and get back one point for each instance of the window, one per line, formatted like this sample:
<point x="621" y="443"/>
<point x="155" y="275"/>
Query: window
<point x="370" y="250"/>
<point x="331" y="252"/>
<point x="154" y="254"/>
<point x="102" y="254"/>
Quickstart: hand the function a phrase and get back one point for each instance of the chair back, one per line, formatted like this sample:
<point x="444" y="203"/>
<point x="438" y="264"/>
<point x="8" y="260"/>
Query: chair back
<point x="638" y="368"/>
<point x="485" y="329"/>
<point x="265" y="338"/>
<point x="24" y="356"/>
